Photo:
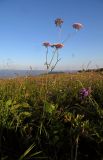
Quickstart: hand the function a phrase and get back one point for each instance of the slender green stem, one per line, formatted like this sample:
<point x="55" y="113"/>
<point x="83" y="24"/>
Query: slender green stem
<point x="55" y="65"/>
<point x="47" y="56"/>
<point x="68" y="36"/>
<point x="55" y="62"/>
<point x="52" y="57"/>
<point x="76" y="148"/>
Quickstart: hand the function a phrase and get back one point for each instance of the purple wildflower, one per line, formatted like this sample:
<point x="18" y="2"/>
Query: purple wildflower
<point x="84" y="92"/>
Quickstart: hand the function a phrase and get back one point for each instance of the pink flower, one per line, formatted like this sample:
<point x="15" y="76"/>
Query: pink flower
<point x="85" y="92"/>
<point x="58" y="45"/>
<point x="46" y="44"/>
<point x="59" y="22"/>
<point x="77" y="26"/>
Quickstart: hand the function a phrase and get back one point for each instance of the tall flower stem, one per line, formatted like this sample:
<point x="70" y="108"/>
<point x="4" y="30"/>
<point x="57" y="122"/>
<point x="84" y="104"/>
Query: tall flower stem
<point x="46" y="58"/>
<point x="52" y="58"/>
<point x="68" y="36"/>
<point x="76" y="148"/>
<point x="57" y="60"/>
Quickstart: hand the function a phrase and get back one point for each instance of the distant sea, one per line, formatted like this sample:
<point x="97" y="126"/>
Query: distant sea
<point x="7" y="73"/>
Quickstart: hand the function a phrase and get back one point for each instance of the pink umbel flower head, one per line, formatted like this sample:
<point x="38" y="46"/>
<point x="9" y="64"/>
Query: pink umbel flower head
<point x="46" y="44"/>
<point x="77" y="26"/>
<point x="57" y="45"/>
<point x="59" y="22"/>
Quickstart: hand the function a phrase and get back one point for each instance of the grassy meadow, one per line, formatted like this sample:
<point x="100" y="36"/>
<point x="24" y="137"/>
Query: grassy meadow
<point x="50" y="117"/>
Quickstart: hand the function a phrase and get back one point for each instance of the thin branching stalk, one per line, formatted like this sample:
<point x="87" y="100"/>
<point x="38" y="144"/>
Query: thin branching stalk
<point x="52" y="68"/>
<point x="52" y="58"/>
<point x="69" y="36"/>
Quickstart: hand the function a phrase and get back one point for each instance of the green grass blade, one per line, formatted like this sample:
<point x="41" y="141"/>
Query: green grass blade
<point x="26" y="152"/>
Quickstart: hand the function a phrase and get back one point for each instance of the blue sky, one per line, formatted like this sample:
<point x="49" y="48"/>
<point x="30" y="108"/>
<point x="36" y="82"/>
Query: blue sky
<point x="26" y="24"/>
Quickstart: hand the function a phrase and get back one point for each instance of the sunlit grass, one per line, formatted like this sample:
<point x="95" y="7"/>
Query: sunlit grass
<point x="47" y="110"/>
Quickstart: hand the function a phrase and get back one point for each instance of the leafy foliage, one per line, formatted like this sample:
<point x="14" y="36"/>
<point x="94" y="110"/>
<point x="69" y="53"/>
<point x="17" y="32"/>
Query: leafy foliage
<point x="48" y="112"/>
